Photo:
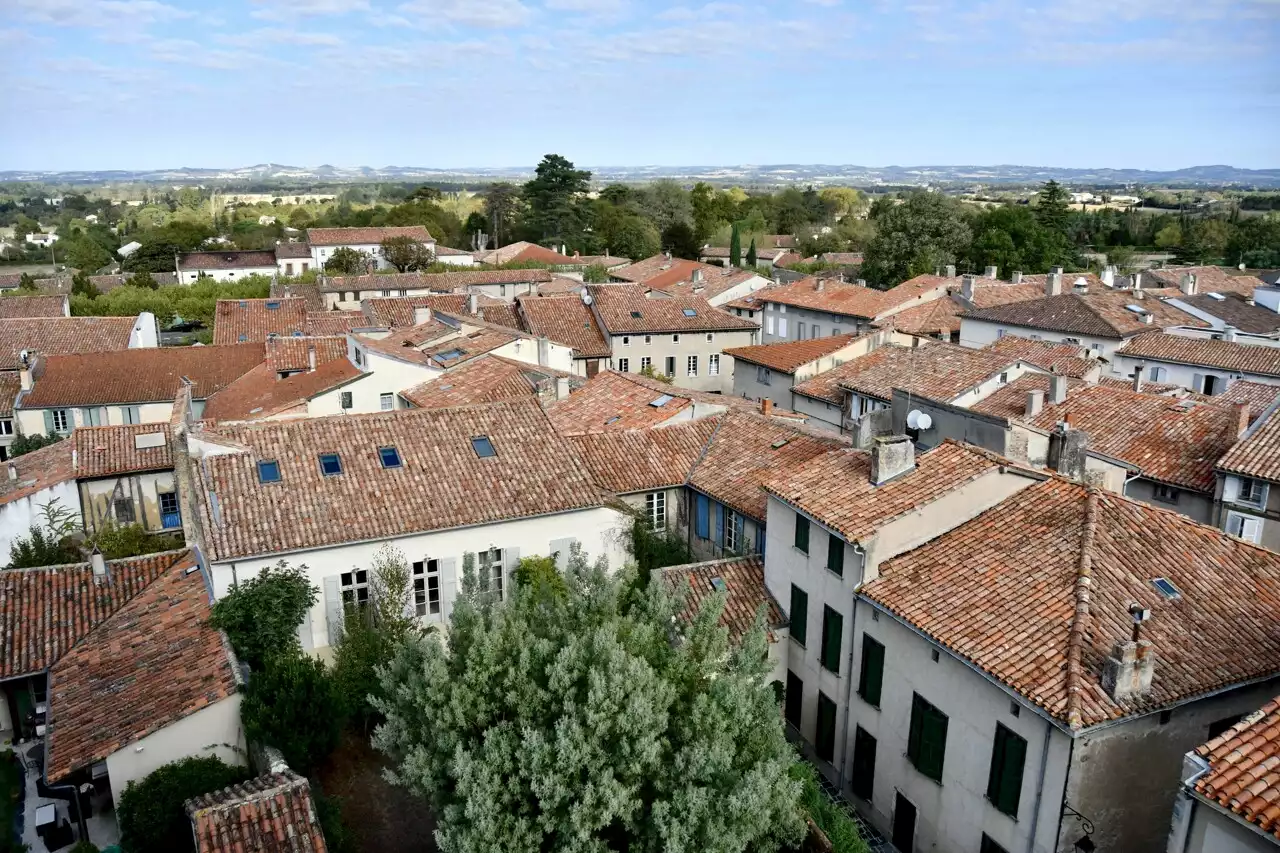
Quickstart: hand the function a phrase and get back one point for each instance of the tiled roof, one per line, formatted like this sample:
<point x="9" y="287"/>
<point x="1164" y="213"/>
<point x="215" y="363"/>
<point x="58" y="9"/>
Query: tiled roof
<point x="261" y="393"/>
<point x="487" y="379"/>
<point x="989" y="294"/>
<point x="834" y="297"/>
<point x="272" y="813"/>
<point x="1069" y="281"/>
<point x="935" y="369"/>
<point x="10" y="385"/>
<point x="616" y="401"/>
<point x="926" y="288"/>
<point x="1036" y="591"/>
<point x="1255" y="395"/>
<point x="745" y="592"/>
<point x="641" y="272"/>
<point x="565" y="320"/>
<point x="1208" y="279"/>
<point x="526" y="251"/>
<point x="226" y="260"/>
<point x="1171" y="440"/>
<point x="292" y="250"/>
<point x="398" y="312"/>
<point x="1102" y="315"/>
<point x="749" y="450"/>
<point x="1065" y="359"/>
<point x="440" y="282"/>
<point x="1226" y="355"/>
<point x="320" y="323"/>
<point x="1233" y="310"/>
<point x="309" y="291"/>
<point x="110" y="450"/>
<point x="937" y="317"/>
<point x="254" y="320"/>
<point x="37" y="471"/>
<point x="534" y="472"/>
<point x="148" y="665"/>
<point x="62" y="336"/>
<point x="289" y="354"/>
<point x="561" y="285"/>
<point x="450" y="251"/>
<point x="365" y="236"/>
<point x="44" y="612"/>
<point x="640" y="460"/>
<point x="779" y="241"/>
<point x="625" y="309"/>
<point x="32" y="306"/>
<point x="138" y="375"/>
<point x="1244" y="769"/>
<point x="847" y="258"/>
<point x="1010" y="401"/>
<point x="606" y="261"/>
<point x="836" y="489"/>
<point x="1257" y="454"/>
<point x="790" y="356"/>
<point x="708" y="287"/>
<point x="786" y="259"/>
<point x="762" y="251"/>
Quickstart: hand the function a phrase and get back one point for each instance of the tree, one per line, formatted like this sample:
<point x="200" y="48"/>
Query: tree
<point x="476" y="224"/>
<point x="293" y="704"/>
<point x="735" y="247"/>
<point x="664" y="202"/>
<point x="552" y="198"/>
<point x="152" y="813"/>
<point x="27" y="282"/>
<point x="347" y="261"/>
<point x="82" y="286"/>
<point x="144" y="280"/>
<point x="751" y="254"/>
<point x="151" y="257"/>
<point x="1169" y="237"/>
<point x="425" y="193"/>
<point x="591" y="721"/>
<point x="595" y="274"/>
<point x="26" y="443"/>
<point x="261" y="615"/>
<point x="927" y="230"/>
<point x="649" y="372"/>
<point x="502" y="207"/>
<point x="678" y="239"/>
<point x="47" y="544"/>
<point x="1052" y="207"/>
<point x="407" y="254"/>
<point x="1122" y="258"/>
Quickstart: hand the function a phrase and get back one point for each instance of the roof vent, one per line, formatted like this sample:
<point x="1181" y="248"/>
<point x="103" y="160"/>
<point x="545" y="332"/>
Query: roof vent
<point x="636" y="315"/>
<point x="780" y="443"/>
<point x="1216" y="296"/>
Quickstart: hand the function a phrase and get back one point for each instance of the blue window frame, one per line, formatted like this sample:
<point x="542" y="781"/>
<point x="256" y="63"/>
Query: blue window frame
<point x="330" y="464"/>
<point x="483" y="446"/>
<point x="702" y="517"/>
<point x="390" y="457"/>
<point x="269" y="471"/>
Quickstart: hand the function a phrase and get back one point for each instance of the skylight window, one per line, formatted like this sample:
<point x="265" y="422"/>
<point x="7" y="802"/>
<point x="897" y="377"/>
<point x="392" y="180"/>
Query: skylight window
<point x="662" y="401"/>
<point x="613" y="420"/>
<point x="389" y="456"/>
<point x="244" y="304"/>
<point x="780" y="443"/>
<point x="689" y="312"/>
<point x="449" y="355"/>
<point x="269" y="471"/>
<point x="330" y="464"/>
<point x="1216" y="296"/>
<point x="636" y="315"/>
<point x="1166" y="587"/>
<point x="719" y="585"/>
<point x="272" y="304"/>
<point x="1137" y="309"/>
<point x="483" y="446"/>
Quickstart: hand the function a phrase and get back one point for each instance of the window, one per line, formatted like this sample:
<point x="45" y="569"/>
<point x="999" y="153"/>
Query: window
<point x="269" y="471"/>
<point x="122" y="508"/>
<point x="871" y="674"/>
<point x="655" y="504"/>
<point x="491" y="572"/>
<point x="768" y="324"/>
<point x="671" y="366"/>
<point x="802" y="533"/>
<point x="483" y="447"/>
<point x="763" y="375"/>
<point x="359" y="355"/>
<point x="344" y="399"/>
<point x="675" y="339"/>
<point x="799" y="614"/>
<point x="626" y="340"/>
<point x="1004" y="378"/>
<point x="288" y="269"/>
<point x="242" y="338"/>
<point x="426" y="587"/>
<point x="131" y="414"/>
<point x="989" y="846"/>
<point x="1245" y="526"/>
<point x="864" y="764"/>
<point x="1158" y="374"/>
<point x="799" y="331"/>
<point x="689" y="312"/>
<point x="794" y="700"/>
<point x="1166" y="494"/>
<point x="6" y="427"/>
<point x="713" y="364"/>
<point x="61" y="420"/>
<point x="330" y="464"/>
<point x="1075" y="342"/>
<point x="832" y="626"/>
<point x="624" y="365"/>
<point x="782" y="327"/>
<point x="648" y="339"/>
<point x="386" y="402"/>
<point x="710" y="337"/>
<point x="1000" y="333"/>
<point x="1251" y="491"/>
<point x="502" y="290"/>
<point x="835" y="554"/>
<point x="733" y="532"/>
<point x="1004" y="786"/>
<point x="646" y="363"/>
<point x="927" y="740"/>
<point x="824" y="741"/>
<point x="342" y="296"/>
<point x="355" y="587"/>
<point x="389" y="456"/>
<point x="692" y="365"/>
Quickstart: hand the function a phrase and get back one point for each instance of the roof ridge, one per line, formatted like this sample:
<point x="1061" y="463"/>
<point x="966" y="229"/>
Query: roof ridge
<point x="1082" y="593"/>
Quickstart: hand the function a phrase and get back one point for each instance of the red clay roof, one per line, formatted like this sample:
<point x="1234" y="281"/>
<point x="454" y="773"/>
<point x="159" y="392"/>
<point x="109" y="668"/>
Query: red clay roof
<point x="226" y="260"/>
<point x="613" y="401"/>
<point x="138" y="375"/>
<point x="565" y="320"/>
<point x="939" y="317"/>
<point x="1208" y="279"/>
<point x="1226" y="355"/>
<point x="937" y="370"/>
<point x="10" y="385"/>
<point x="289" y="354"/>
<point x="321" y="323"/>
<point x="1010" y="401"/>
<point x="273" y="813"/>
<point x="642" y="460"/>
<point x="1257" y="396"/>
<point x="1065" y="359"/>
<point x="440" y="282"/>
<point x="365" y="236"/>
<point x="658" y="265"/>
<point x="112" y="450"/>
<point x="790" y="356"/>
<point x="37" y="471"/>
<point x="1244" y="769"/>
<point x="261" y="393"/>
<point x="62" y="336"/>
<point x="745" y="592"/>
<point x="625" y="309"/>
<point x="151" y="663"/>
<point x="292" y="250"/>
<point x="398" y="312"/>
<point x="1258" y="453"/>
<point x="15" y="306"/>
<point x="254" y="320"/>
<point x="834" y="297"/>
<point x="486" y="379"/>
<point x="1101" y="315"/>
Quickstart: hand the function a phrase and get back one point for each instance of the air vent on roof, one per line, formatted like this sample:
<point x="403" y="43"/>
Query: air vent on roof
<point x="782" y="442"/>
<point x="1137" y="309"/>
<point x="662" y="401"/>
<point x="614" y="419"/>
<point x="1166" y="587"/>
<point x="1218" y="296"/>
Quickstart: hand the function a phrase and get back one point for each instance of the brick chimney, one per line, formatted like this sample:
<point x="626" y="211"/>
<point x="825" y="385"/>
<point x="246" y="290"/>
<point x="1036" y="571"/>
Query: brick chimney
<point x="891" y="456"/>
<point x="766" y="407"/>
<point x="1126" y="675"/>
<point x="966" y="286"/>
<point x="1035" y="402"/>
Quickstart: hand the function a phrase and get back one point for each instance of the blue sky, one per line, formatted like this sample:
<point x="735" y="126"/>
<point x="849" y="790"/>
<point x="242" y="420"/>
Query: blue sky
<point x="100" y="84"/>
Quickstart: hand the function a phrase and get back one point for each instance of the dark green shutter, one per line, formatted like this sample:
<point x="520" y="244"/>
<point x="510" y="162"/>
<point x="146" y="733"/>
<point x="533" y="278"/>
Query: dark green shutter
<point x="799" y="614"/>
<point x="835" y="554"/>
<point x="927" y="742"/>
<point x="795" y="699"/>
<point x="802" y="533"/>
<point x="824" y="743"/>
<point x="832" y="626"/>
<point x="864" y="764"/>
<point x="871" y="676"/>
<point x="1008" y="758"/>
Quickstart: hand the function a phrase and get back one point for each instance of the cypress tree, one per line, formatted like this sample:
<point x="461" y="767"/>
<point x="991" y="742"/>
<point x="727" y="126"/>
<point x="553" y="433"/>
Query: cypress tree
<point x="751" y="253"/>
<point x="735" y="247"/>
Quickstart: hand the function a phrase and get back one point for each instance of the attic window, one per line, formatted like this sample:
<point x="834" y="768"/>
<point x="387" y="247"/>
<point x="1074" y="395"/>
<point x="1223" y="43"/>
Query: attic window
<point x="389" y="456"/>
<point x="719" y="585"/>
<point x="243" y="338"/>
<point x="689" y="312"/>
<point x="662" y="401"/>
<point x="780" y="443"/>
<point x="1218" y="296"/>
<point x="449" y="355"/>
<point x="636" y="314"/>
<point x="483" y="446"/>
<point x="613" y="420"/>
<point x="244" y="304"/>
<point x="330" y="464"/>
<point x="1166" y="588"/>
<point x="1137" y="309"/>
<point x="272" y="304"/>
<point x="269" y="471"/>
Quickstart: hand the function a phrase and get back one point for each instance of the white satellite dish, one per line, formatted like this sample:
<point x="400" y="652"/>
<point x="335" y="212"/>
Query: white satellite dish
<point x="924" y="421"/>
<point x="917" y="419"/>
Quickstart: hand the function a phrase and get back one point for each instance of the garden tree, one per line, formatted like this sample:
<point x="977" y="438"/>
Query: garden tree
<point x="1205" y="240"/>
<point x="855" y="234"/>
<point x="27" y="282"/>
<point x="83" y="252"/>
<point x="82" y="286"/>
<point x="843" y="201"/>
<point x="1253" y="240"/>
<point x="595" y="274"/>
<point x="649" y="372"/>
<point x="577" y="721"/>
<point x="425" y="193"/>
<point x="542" y="576"/>
<point x="925" y="231"/>
<point x="300" y="218"/>
<point x="476" y="224"/>
<point x="293" y="704"/>
<point x="751" y="254"/>
<point x="407" y="254"/>
<point x="653" y="550"/>
<point x="1168" y="237"/>
<point x="143" y="280"/>
<point x="1052" y="207"/>
<point x="194" y="302"/>
<point x="622" y="232"/>
<point x="1013" y="238"/>
<point x="261" y="614"/>
<point x="347" y="261"/>
<point x="664" y="202"/>
<point x="678" y="239"/>
<point x="502" y="208"/>
<point x="735" y="247"/>
<point x="23" y="444"/>
<point x="151" y="812"/>
<point x="712" y="210"/>
<point x="552" y="199"/>
<point x="151" y="257"/>
<point x="1122" y="258"/>
<point x="618" y="194"/>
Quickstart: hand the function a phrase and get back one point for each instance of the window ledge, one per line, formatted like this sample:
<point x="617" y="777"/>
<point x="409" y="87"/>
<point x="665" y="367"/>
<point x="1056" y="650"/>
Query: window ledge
<point x="865" y="702"/>
<point x="797" y="642"/>
<point x="1012" y="817"/>
<point x="921" y="772"/>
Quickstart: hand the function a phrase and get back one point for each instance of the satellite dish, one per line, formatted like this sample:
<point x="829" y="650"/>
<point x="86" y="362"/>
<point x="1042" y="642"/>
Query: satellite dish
<point x="913" y="419"/>
<point x="924" y="421"/>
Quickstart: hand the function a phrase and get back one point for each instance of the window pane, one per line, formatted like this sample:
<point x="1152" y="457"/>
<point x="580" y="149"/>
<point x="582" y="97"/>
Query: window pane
<point x="330" y="464"/>
<point x="483" y="447"/>
<point x="269" y="472"/>
<point x="799" y="614"/>
<point x="871" y="676"/>
<point x="390" y="457"/>
<point x="832" y="626"/>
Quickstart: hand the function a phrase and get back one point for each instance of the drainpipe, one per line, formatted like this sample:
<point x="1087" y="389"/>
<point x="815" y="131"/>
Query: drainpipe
<point x="1066" y="784"/>
<point x="1044" y="769"/>
<point x="853" y="634"/>
<point x="75" y="801"/>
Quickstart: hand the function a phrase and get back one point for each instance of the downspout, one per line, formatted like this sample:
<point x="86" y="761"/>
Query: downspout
<point x="1066" y="785"/>
<point x="1044" y="769"/>
<point x="853" y="634"/>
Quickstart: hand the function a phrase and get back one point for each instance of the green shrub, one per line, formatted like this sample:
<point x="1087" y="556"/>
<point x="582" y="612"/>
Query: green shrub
<point x="261" y="615"/>
<point x="27" y="443"/>
<point x="293" y="704"/>
<point x="118" y="541"/>
<point x="833" y="820"/>
<point x="41" y="548"/>
<point x="151" y="814"/>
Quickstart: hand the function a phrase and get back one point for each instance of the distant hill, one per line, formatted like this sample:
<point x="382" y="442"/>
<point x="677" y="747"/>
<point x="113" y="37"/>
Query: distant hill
<point x="787" y="173"/>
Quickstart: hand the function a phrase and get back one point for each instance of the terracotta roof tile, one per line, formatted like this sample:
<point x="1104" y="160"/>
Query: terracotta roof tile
<point x="1226" y="355"/>
<point x="441" y="282"/>
<point x="1235" y="310"/>
<point x="708" y="287"/>
<point x="44" y="612"/>
<point x="565" y="320"/>
<point x="273" y="813"/>
<point x="398" y="312"/>
<point x="526" y="251"/>
<point x="989" y="294"/>
<point x="625" y="309"/>
<point x="137" y="375"/>
<point x="254" y="320"/>
<point x="940" y="317"/>
<point x="534" y="472"/>
<point x="62" y="336"/>
<point x="32" y="306"/>
<point x="1102" y="315"/>
<point x="1257" y="454"/>
<point x="322" y="323"/>
<point x="745" y="592"/>
<point x="613" y="401"/>
<point x="1257" y="396"/>
<point x="365" y="236"/>
<point x="10" y="385"/>
<point x="435" y="345"/>
<point x="1065" y="359"/>
<point x="561" y="285"/>
<point x="289" y="354"/>
<point x="834" y="297"/>
<point x="1244" y="769"/>
<point x="226" y="260"/>
<point x="151" y="663"/>
<point x="937" y="370"/>
<point x="1002" y="592"/>
<point x="486" y="379"/>
<point x="37" y="471"/>
<point x="1208" y="279"/>
<point x="920" y="290"/>
<point x="261" y="393"/>
<point x="789" y="356"/>
<point x="111" y="450"/>
<point x="292" y="250"/>
<point x="657" y="265"/>
<point x="1010" y="401"/>
<point x="642" y="460"/>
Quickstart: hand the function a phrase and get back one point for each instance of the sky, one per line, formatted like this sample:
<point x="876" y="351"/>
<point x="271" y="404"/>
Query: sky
<point x="142" y="84"/>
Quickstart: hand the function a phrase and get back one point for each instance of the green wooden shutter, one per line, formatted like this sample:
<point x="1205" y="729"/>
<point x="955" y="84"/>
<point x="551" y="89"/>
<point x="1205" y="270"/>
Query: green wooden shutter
<point x="799" y="614"/>
<point x="824" y="743"/>
<point x="864" y="764"/>
<point x="1008" y="759"/>
<point x="48" y="422"/>
<point x="802" y="533"/>
<point x="913" y="735"/>
<point x="927" y="742"/>
<point x="832" y="627"/>
<point x="795" y="699"/>
<point x="835" y="554"/>
<point x="871" y="676"/>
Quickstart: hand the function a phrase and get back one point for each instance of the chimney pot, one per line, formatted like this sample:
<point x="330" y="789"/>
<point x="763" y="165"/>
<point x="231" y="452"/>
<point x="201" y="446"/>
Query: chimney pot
<point x="766" y="407"/>
<point x="862" y="282"/>
<point x="966" y="286"/>
<point x="562" y="387"/>
<point x="1137" y="379"/>
<point x="1016" y="278"/>
<point x="1056" y="270"/>
<point x="1137" y="281"/>
<point x="1035" y="402"/>
<point x="951" y="270"/>
<point x="1229" y="334"/>
<point x="891" y="456"/>
<point x="993" y="273"/>
<point x="1053" y="284"/>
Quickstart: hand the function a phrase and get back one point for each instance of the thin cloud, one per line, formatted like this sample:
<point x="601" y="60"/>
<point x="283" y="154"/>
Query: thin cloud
<point x="278" y="35"/>
<point x="486" y="14"/>
<point x="289" y="10"/>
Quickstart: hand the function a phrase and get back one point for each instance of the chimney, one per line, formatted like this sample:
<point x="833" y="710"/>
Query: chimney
<point x="1068" y="450"/>
<point x="1057" y="389"/>
<point x="1242" y="410"/>
<point x="544" y="352"/>
<point x="99" y="566"/>
<point x="891" y="456"/>
<point x="13" y="471"/>
<point x="1137" y="379"/>
<point x="473" y="303"/>
<point x="1109" y="277"/>
<point x="1127" y="673"/>
<point x="1056" y="270"/>
<point x="951" y="270"/>
<point x="966" y="286"/>
<point x="992" y="273"/>
<point x="1016" y="278"/>
<point x="1229" y="334"/>
<point x="562" y="387"/>
<point x="1053" y="284"/>
<point x="421" y="314"/>
<point x="25" y="379"/>
<point x="1137" y="281"/>
<point x="697" y="275"/>
<point x="766" y="407"/>
<point x="820" y="286"/>
<point x="1188" y="286"/>
<point x="862" y="282"/>
<point x="1035" y="402"/>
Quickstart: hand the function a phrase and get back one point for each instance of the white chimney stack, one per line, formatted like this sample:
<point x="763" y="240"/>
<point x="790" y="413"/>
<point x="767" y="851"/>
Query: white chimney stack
<point x="421" y="314"/>
<point x="562" y="387"/>
<point x="1035" y="402"/>
<point x="1137" y="379"/>
<point x="1229" y="334"/>
<point x="473" y="303"/>
<point x="1053" y="284"/>
<point x="311" y="359"/>
<point x="966" y="286"/>
<point x="13" y="471"/>
<point x="1137" y="281"/>
<point x="99" y="565"/>
<point x="1109" y="277"/>
<point x="1016" y="278"/>
<point x="993" y="273"/>
<point x="1188" y="286"/>
<point x="951" y="270"/>
<point x="1057" y="389"/>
